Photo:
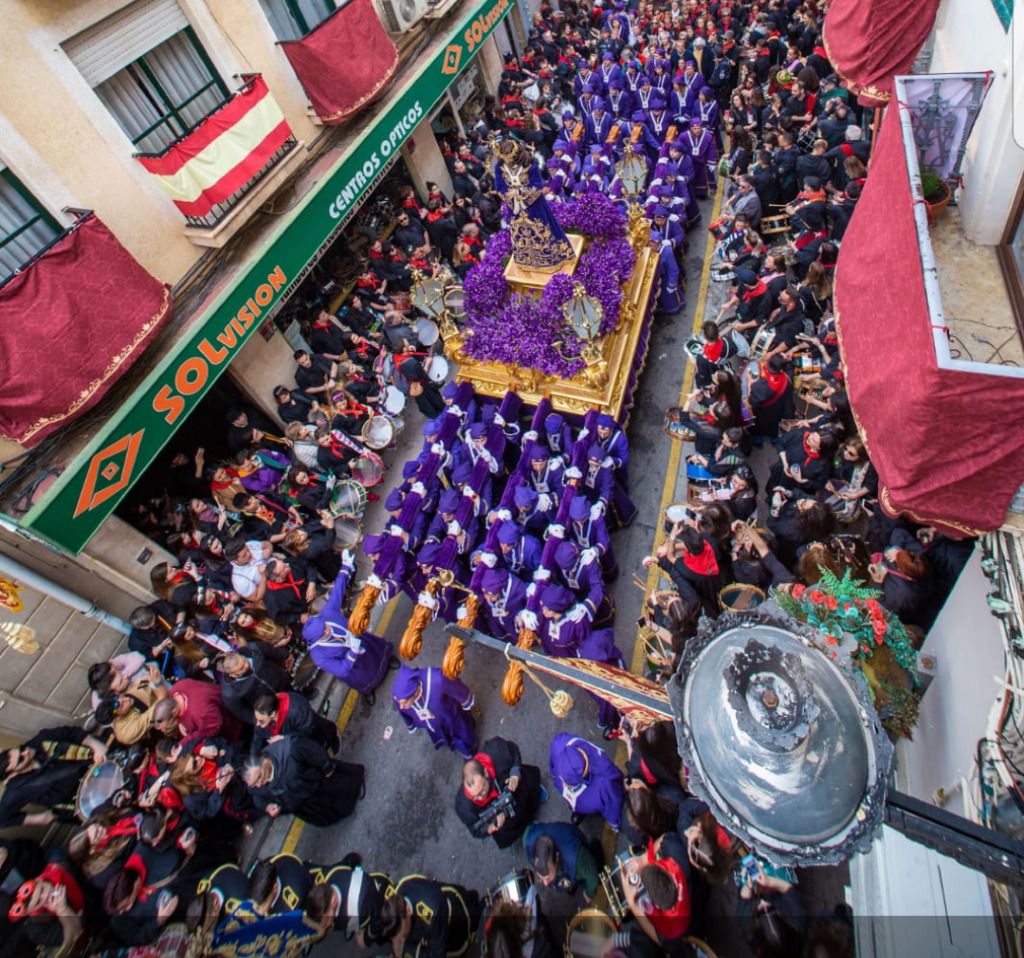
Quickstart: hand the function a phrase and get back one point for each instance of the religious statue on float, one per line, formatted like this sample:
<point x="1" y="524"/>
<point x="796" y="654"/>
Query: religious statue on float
<point x="538" y="241"/>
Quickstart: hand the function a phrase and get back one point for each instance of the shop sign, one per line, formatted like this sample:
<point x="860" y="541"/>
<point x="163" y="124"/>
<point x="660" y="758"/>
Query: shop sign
<point x="91" y="486"/>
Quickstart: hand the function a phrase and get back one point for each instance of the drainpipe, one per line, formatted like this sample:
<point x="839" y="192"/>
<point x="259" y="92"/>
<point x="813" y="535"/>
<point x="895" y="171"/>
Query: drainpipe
<point x="90" y="610"/>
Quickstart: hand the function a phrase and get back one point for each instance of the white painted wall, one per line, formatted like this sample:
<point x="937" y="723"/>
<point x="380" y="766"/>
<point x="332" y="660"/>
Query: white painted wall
<point x="970" y="38"/>
<point x="968" y="645"/>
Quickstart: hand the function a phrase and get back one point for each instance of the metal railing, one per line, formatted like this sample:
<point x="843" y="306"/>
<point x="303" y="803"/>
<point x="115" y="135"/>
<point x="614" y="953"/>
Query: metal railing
<point x="222" y="209"/>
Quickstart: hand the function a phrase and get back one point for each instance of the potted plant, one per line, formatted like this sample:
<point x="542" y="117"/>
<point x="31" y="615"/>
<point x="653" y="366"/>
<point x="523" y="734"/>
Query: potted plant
<point x="936" y="191"/>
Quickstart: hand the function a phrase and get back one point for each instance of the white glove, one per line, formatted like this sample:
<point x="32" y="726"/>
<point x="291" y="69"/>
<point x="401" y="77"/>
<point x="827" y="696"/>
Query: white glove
<point x="556" y="530"/>
<point x="588" y="555"/>
<point x="489" y="559"/>
<point x="596" y="511"/>
<point x="528" y="620"/>
<point x="456" y="410"/>
<point x="573" y="473"/>
<point x="419" y="489"/>
<point x="578" y="613"/>
<point x="607" y="462"/>
<point x="427" y="600"/>
<point x="437" y="449"/>
<point x="542" y="575"/>
<point x="530" y="435"/>
<point x="348" y="560"/>
<point x="584" y="432"/>
<point x="396" y="530"/>
<point x="543" y="502"/>
<point x="531" y="590"/>
<point x="374" y="580"/>
<point x="453" y="528"/>
<point x="471" y="494"/>
<point x="461" y="612"/>
<point x="499" y="420"/>
<point x="503" y="514"/>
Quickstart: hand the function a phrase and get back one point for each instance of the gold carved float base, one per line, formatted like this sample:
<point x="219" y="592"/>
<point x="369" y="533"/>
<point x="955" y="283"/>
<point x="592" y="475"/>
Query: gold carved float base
<point x="522" y="279"/>
<point x="603" y="384"/>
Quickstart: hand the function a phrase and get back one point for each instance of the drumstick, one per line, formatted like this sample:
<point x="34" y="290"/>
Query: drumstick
<point x="639" y="583"/>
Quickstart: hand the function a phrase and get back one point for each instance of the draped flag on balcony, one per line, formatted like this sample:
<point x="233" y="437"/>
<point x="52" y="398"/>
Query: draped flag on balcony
<point x="226" y="151"/>
<point x="345" y="63"/>
<point x="945" y="441"/>
<point x="870" y="41"/>
<point x="71" y="324"/>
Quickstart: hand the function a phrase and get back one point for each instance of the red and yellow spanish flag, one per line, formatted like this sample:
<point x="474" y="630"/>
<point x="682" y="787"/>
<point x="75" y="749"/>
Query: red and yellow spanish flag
<point x="223" y="153"/>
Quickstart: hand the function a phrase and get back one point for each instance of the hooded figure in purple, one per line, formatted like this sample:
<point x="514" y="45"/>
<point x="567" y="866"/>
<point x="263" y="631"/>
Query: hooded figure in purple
<point x="545" y="474"/>
<point x="558" y="436"/>
<point x="620" y="100"/>
<point x="519" y="552"/>
<point x="504" y="597"/>
<point x="616" y="447"/>
<point x="580" y="571"/>
<point x="528" y="514"/>
<point x="700" y="146"/>
<point x="587" y="778"/>
<point x="426" y="699"/>
<point x="670" y="297"/>
<point x="360" y="661"/>
<point x="589" y="531"/>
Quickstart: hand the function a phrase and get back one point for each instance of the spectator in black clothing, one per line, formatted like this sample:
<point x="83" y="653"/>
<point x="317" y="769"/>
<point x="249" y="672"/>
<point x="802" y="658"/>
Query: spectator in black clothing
<point x="150" y="636"/>
<point x="441" y="228"/>
<point x="46" y="771"/>
<point x="409" y="233"/>
<point x="289" y="713"/>
<point x="247" y="428"/>
<point x="247" y="674"/>
<point x="314" y="375"/>
<point x="462" y="183"/>
<point x="292" y="406"/>
<point x="289" y="591"/>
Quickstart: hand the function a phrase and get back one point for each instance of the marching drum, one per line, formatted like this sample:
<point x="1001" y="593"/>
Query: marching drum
<point x="611" y="881"/>
<point x="694" y="346"/>
<point x="588" y="934"/>
<point x="762" y="342"/>
<point x="348" y="499"/>
<point x="775" y="225"/>
<point x="513" y="888"/>
<point x="740" y="597"/>
<point x="367" y="470"/>
<point x="426" y="331"/>
<point x="304" y="671"/>
<point x="678" y="512"/>
<point x="675" y="428"/>
<point x="455" y="301"/>
<point x="438" y="369"/>
<point x="394" y="401"/>
<point x="378" y="432"/>
<point x="102" y="781"/>
<point x="348" y="532"/>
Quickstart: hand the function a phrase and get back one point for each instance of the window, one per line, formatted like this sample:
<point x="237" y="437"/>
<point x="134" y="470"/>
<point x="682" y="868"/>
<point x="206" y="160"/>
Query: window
<point x="293" y="19"/>
<point x="150" y="71"/>
<point x="25" y="227"/>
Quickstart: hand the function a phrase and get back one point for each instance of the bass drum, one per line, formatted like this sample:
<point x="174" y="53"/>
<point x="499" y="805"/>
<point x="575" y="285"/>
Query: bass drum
<point x="426" y="331"/>
<point x="378" y="432"/>
<point x="348" y="532"/>
<point x="348" y="499"/>
<point x="513" y="888"/>
<point x="455" y="301"/>
<point x="101" y="782"/>
<point x="438" y="371"/>
<point x="303" y="671"/>
<point x="589" y="933"/>
<point x="394" y="401"/>
<point x="740" y="597"/>
<point x="367" y="470"/>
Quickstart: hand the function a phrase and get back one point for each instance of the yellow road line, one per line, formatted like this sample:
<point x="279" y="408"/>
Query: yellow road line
<point x="675" y="453"/>
<point x="291" y="840"/>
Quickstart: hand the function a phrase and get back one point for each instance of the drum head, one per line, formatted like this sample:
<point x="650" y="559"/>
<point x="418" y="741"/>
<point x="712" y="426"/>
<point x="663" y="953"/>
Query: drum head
<point x="304" y="672"/>
<point x="367" y="471"/>
<point x="438" y="371"/>
<point x="588" y="934"/>
<point x="378" y="432"/>
<point x="394" y="400"/>
<point x="426" y="331"/>
<point x="348" y="532"/>
<point x="100" y="782"/>
<point x="514" y="888"/>
<point x="348" y="498"/>
<point x="740" y="597"/>
<point x="455" y="301"/>
<point x="677" y="512"/>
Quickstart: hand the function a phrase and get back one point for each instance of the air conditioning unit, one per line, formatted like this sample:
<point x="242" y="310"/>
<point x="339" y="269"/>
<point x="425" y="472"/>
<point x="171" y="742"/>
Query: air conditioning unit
<point x="398" y="16"/>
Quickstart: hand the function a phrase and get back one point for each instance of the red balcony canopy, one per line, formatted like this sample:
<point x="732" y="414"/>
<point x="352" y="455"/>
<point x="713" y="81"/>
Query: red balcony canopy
<point x="945" y="441"/>
<point x="345" y="63"/>
<point x="870" y="41"/>
<point x="70" y="325"/>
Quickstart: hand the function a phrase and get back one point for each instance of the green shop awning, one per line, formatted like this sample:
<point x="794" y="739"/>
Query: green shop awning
<point x="91" y="487"/>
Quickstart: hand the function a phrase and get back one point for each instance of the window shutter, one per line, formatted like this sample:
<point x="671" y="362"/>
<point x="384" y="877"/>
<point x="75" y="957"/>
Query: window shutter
<point x="123" y="37"/>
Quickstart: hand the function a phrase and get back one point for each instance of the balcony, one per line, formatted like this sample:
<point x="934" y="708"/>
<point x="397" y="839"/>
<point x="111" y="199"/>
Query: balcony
<point x="227" y="165"/>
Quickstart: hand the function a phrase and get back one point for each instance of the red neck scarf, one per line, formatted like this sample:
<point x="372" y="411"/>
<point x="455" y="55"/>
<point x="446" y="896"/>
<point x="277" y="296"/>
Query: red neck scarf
<point x="808" y="452"/>
<point x="777" y="383"/>
<point x="704" y="563"/>
<point x="290" y="582"/>
<point x="485" y="760"/>
<point x="282" y="713"/>
<point x="759" y="290"/>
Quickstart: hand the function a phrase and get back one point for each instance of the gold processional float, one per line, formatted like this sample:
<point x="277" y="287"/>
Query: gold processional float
<point x="613" y="363"/>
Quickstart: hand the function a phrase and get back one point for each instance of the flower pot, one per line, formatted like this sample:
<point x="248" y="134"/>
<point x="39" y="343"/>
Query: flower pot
<point x="938" y="201"/>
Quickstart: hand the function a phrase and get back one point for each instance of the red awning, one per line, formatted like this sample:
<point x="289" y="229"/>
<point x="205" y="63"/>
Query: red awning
<point x="70" y="325"/>
<point x="871" y="41"/>
<point x="946" y="442"/>
<point x="345" y="63"/>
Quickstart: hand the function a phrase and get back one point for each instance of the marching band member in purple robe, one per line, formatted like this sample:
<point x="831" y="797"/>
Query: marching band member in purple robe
<point x="643" y="94"/>
<point x="581" y="573"/>
<point x="585" y="78"/>
<point x="672" y="227"/>
<point x="426" y="699"/>
<point x="620" y="100"/>
<point x="528" y="513"/>
<point x="693" y="83"/>
<point x="443" y="604"/>
<point x="519" y="551"/>
<point x="360" y="661"/>
<point x="558" y="436"/>
<point x="710" y="115"/>
<point x="700" y="145"/>
<point x="589" y="531"/>
<point x="658" y="121"/>
<point x="632" y="78"/>
<point x="587" y="778"/>
<point x="545" y="473"/>
<point x="670" y="297"/>
<point x="586" y="101"/>
<point x="476" y="449"/>
<point x="504" y="597"/>
<point x="661" y="79"/>
<point x="597" y="482"/>
<point x="598" y="124"/>
<point x="608" y="71"/>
